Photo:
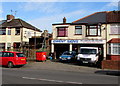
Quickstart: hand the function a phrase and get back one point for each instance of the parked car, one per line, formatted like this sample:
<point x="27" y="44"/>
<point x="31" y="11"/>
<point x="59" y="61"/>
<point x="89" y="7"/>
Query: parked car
<point x="67" y="56"/>
<point x="11" y="59"/>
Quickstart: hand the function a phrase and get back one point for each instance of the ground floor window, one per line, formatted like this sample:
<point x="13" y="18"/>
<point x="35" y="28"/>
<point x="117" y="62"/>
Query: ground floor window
<point x="114" y="48"/>
<point x="16" y="45"/>
<point x="2" y="46"/>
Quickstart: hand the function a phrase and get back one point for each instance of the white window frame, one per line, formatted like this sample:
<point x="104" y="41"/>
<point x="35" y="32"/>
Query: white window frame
<point x="9" y="31"/>
<point x="116" y="28"/>
<point x="78" y="28"/>
<point x="111" y="51"/>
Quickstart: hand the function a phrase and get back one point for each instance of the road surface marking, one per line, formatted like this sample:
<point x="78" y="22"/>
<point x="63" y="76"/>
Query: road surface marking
<point x="69" y="82"/>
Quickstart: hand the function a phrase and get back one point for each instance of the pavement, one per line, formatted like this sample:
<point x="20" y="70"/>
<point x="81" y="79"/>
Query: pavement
<point x="71" y="67"/>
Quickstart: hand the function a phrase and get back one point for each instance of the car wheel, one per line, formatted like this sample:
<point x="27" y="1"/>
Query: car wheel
<point x="10" y="65"/>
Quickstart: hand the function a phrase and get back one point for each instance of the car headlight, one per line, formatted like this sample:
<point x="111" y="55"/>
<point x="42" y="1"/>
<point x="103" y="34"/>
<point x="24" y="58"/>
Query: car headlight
<point x="78" y="58"/>
<point x="69" y="57"/>
<point x="60" y="57"/>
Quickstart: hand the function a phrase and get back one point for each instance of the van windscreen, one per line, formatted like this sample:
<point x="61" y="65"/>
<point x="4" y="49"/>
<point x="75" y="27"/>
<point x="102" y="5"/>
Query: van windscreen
<point x="88" y="51"/>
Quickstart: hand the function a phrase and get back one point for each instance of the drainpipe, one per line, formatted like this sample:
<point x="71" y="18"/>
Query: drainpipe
<point x="21" y="39"/>
<point x="106" y="41"/>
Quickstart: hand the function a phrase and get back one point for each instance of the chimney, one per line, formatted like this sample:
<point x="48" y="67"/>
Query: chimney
<point x="10" y="17"/>
<point x="64" y="20"/>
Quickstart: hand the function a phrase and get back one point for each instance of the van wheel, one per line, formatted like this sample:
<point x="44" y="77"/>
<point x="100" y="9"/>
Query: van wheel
<point x="10" y="65"/>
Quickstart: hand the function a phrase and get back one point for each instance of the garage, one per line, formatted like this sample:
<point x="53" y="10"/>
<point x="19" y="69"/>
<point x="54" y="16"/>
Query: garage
<point x="60" y="48"/>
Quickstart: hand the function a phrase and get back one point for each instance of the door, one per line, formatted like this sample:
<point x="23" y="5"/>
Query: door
<point x="0" y="58"/>
<point x="6" y="57"/>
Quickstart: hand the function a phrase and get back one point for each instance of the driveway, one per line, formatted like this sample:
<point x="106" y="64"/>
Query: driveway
<point x="53" y="65"/>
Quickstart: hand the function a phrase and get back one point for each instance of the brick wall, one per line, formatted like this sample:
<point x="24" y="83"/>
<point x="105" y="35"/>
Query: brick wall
<point x="110" y="64"/>
<point x="113" y="57"/>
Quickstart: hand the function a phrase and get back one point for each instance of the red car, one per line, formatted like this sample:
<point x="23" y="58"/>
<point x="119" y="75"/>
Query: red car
<point x="11" y="59"/>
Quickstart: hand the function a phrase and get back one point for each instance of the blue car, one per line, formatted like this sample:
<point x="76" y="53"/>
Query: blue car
<point x="67" y="56"/>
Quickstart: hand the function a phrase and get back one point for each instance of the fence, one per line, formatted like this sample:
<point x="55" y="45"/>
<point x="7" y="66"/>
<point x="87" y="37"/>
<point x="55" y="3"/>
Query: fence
<point x="29" y="53"/>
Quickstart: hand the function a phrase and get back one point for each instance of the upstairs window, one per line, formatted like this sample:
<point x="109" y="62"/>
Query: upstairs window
<point x="93" y="30"/>
<point x="9" y="31"/>
<point x="2" y="31"/>
<point x="78" y="30"/>
<point x="115" y="29"/>
<point x="17" y="31"/>
<point x="62" y="32"/>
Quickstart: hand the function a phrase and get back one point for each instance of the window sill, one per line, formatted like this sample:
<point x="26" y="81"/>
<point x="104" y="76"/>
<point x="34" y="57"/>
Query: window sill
<point x="93" y="36"/>
<point x="114" y="34"/>
<point x="113" y="54"/>
<point x="62" y="36"/>
<point x="77" y="34"/>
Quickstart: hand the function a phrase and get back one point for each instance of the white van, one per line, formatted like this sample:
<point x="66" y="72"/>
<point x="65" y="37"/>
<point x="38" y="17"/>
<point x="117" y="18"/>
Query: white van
<point x="88" y="55"/>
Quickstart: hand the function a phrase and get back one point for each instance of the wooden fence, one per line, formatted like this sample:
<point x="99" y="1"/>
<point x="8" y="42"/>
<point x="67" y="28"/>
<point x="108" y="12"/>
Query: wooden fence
<point x="29" y="53"/>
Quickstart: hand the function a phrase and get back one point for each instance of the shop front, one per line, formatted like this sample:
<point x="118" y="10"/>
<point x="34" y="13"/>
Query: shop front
<point x="59" y="46"/>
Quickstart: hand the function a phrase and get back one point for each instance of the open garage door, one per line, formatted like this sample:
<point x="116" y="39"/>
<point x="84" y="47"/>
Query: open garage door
<point x="60" y="48"/>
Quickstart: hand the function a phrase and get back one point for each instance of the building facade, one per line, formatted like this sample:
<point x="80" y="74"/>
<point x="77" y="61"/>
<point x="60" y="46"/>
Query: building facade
<point x="113" y="35"/>
<point x="15" y="33"/>
<point x="90" y="31"/>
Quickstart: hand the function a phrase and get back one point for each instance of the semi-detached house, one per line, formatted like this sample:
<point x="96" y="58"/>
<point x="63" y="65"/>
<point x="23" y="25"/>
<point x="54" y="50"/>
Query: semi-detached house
<point x="15" y="33"/>
<point x="100" y="29"/>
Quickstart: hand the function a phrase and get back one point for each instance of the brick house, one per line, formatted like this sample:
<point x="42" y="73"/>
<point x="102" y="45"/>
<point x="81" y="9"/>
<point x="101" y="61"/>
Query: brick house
<point x="90" y="31"/>
<point x="113" y="35"/>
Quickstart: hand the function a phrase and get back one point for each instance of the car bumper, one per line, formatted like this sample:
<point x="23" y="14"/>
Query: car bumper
<point x="86" y="61"/>
<point x="64" y="59"/>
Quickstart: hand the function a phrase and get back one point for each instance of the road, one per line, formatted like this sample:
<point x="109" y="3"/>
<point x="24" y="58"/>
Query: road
<point x="29" y="75"/>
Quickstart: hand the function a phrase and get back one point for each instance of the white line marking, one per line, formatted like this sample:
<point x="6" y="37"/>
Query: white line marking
<point x="69" y="82"/>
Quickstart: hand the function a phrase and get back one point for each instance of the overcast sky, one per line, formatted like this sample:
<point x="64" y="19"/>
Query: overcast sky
<point x="43" y="14"/>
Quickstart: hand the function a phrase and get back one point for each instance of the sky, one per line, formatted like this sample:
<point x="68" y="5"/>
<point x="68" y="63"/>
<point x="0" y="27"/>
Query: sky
<point x="43" y="14"/>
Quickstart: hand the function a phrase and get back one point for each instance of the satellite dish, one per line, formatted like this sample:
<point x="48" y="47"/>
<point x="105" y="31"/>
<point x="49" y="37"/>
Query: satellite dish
<point x="28" y="34"/>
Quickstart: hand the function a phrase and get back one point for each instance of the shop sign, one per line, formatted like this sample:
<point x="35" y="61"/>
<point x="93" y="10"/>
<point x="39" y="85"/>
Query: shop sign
<point x="78" y="41"/>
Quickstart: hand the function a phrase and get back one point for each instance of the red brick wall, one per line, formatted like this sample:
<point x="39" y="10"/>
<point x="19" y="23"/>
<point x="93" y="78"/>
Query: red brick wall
<point x="110" y="64"/>
<point x="113" y="57"/>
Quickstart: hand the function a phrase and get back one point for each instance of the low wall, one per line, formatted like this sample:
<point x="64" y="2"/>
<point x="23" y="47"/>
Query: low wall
<point x="110" y="64"/>
<point x="113" y="57"/>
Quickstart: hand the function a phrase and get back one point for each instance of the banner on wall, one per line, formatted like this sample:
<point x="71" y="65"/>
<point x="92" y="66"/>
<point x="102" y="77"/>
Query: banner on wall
<point x="78" y="41"/>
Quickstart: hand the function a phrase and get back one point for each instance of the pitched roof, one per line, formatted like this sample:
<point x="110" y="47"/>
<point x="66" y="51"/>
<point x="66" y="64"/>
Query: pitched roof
<point x="2" y="21"/>
<point x="98" y="17"/>
<point x="113" y="16"/>
<point x="114" y="40"/>
<point x="18" y="23"/>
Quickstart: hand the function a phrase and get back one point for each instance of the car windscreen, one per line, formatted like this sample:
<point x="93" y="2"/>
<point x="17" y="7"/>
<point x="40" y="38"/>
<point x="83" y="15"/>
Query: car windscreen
<point x="20" y="55"/>
<point x="88" y="51"/>
<point x="67" y="53"/>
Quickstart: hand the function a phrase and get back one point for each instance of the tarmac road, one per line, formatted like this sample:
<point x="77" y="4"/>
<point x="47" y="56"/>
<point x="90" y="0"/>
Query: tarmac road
<point x="55" y="73"/>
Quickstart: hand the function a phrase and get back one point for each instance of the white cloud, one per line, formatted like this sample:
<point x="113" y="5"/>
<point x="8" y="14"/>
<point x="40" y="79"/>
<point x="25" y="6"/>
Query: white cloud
<point x="58" y="0"/>
<point x="46" y="7"/>
<point x="110" y="6"/>
<point x="46" y="22"/>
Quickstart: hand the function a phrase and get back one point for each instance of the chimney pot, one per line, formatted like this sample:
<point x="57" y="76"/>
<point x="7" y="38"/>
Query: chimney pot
<point x="64" y="20"/>
<point x="10" y="17"/>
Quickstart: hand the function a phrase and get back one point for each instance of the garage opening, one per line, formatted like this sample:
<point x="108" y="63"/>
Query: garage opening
<point x="60" y="48"/>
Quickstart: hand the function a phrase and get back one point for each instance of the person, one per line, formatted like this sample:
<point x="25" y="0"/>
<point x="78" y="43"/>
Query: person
<point x="100" y="57"/>
<point x="99" y="51"/>
<point x="50" y="56"/>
